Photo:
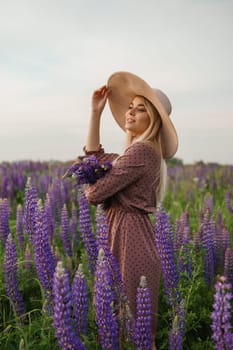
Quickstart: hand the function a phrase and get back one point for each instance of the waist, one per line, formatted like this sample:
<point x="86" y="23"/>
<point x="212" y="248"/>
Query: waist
<point x="133" y="210"/>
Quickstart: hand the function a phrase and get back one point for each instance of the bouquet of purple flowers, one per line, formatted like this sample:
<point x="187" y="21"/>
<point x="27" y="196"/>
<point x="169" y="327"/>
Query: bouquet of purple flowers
<point x="88" y="170"/>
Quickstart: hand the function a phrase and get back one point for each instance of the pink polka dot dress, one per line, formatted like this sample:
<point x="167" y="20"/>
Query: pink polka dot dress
<point x="130" y="186"/>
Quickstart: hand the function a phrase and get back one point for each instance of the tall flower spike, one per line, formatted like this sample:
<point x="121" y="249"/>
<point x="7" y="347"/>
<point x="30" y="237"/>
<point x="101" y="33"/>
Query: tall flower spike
<point x="207" y="233"/>
<point x="219" y="245"/>
<point x="74" y="224"/>
<point x="80" y="300"/>
<point x="221" y="315"/>
<point x="65" y="231"/>
<point x="4" y="219"/>
<point x="228" y="265"/>
<point x="44" y="259"/>
<point x="19" y="226"/>
<point x="177" y="332"/>
<point x="102" y="231"/>
<point x="31" y="199"/>
<point x="86" y="229"/>
<point x="62" y="322"/>
<point x="56" y="197"/>
<point x="11" y="278"/>
<point x="104" y="302"/>
<point x="182" y="239"/>
<point x="185" y="260"/>
<point x="143" y="336"/>
<point x="182" y="224"/>
<point x="50" y="218"/>
<point x="175" y="336"/>
<point x="120" y="298"/>
<point x="164" y="245"/>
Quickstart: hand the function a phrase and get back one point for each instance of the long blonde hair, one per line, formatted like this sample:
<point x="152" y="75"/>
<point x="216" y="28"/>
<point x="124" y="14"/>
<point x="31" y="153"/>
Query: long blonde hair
<point x="152" y="133"/>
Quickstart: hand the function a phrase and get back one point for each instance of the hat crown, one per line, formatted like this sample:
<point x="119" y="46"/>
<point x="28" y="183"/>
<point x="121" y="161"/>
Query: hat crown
<point x="163" y="99"/>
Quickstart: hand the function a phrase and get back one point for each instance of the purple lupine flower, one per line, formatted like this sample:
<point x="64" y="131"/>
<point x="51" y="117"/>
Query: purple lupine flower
<point x="104" y="303"/>
<point x="89" y="170"/>
<point x="181" y="244"/>
<point x="4" y="219"/>
<point x="86" y="229"/>
<point x="4" y="185"/>
<point x="184" y="258"/>
<point x="207" y="235"/>
<point x="176" y="334"/>
<point x="228" y="265"/>
<point x="221" y="315"/>
<point x="102" y="231"/>
<point x="31" y="199"/>
<point x="222" y="241"/>
<point x="142" y="333"/>
<point x="11" y="279"/>
<point x="19" y="226"/>
<point x="65" y="231"/>
<point x="62" y="302"/>
<point x="80" y="300"/>
<point x="120" y="298"/>
<point x="49" y="214"/>
<point x="197" y="240"/>
<point x="164" y="245"/>
<point x="74" y="223"/>
<point x="226" y="238"/>
<point x="57" y="200"/>
<point x="219" y="241"/>
<point x="182" y="224"/>
<point x="44" y="259"/>
<point x="228" y="202"/>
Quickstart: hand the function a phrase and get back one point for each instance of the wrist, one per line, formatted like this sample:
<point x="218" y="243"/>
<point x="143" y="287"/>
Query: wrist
<point x="95" y="113"/>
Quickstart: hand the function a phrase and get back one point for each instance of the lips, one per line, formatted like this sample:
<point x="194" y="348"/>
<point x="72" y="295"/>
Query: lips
<point x="130" y="120"/>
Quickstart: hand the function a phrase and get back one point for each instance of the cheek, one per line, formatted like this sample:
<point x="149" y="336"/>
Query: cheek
<point x="145" y="122"/>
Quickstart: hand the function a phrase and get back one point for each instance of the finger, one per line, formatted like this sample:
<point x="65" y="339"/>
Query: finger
<point x="103" y="90"/>
<point x="99" y="91"/>
<point x="107" y="92"/>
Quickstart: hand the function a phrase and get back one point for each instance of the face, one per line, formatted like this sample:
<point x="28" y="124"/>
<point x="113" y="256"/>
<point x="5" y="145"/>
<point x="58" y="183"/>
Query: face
<point x="137" y="119"/>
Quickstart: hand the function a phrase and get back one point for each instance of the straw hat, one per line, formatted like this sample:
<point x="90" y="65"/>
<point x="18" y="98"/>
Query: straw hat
<point x="124" y="87"/>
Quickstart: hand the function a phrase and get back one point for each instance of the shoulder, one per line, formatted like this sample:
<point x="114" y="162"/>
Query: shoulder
<point x="145" y="148"/>
<point x="142" y="153"/>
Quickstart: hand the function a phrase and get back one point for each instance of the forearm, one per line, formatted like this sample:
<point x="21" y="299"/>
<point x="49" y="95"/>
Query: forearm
<point x="93" y="135"/>
<point x="99" y="99"/>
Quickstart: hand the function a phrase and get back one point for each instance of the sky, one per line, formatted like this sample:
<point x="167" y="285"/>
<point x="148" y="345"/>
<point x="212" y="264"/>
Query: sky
<point x="55" y="53"/>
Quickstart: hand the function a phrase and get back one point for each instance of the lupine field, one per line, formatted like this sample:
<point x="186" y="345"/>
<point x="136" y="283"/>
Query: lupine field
<point x="60" y="287"/>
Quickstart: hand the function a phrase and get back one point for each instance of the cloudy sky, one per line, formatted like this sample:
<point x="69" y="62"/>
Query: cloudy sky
<point x="54" y="53"/>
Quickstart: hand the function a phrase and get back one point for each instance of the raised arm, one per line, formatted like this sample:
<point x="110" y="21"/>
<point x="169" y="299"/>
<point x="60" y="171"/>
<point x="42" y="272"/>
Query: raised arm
<point x="98" y="102"/>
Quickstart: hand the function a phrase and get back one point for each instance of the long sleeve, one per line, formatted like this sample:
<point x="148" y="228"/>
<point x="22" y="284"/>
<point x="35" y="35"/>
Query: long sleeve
<point x="126" y="171"/>
<point x="101" y="155"/>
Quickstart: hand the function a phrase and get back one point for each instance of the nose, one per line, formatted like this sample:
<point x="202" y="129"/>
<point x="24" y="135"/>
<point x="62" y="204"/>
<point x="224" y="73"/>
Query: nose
<point x="132" y="111"/>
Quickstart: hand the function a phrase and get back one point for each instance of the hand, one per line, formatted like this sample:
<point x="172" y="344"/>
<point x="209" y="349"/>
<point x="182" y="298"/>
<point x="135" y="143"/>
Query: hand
<point x="99" y="99"/>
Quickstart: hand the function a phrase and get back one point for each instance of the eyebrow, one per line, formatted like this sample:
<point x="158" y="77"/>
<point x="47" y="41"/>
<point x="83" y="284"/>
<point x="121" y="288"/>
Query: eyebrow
<point x="139" y="105"/>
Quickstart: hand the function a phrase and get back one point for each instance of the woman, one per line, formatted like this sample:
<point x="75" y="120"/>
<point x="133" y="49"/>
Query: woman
<point x="135" y="185"/>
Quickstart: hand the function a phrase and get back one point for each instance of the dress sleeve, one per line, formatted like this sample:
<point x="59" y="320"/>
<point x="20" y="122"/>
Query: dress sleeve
<point x="126" y="170"/>
<point x="101" y="155"/>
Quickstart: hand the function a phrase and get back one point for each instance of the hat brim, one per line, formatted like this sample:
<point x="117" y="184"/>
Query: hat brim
<point x="124" y="87"/>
